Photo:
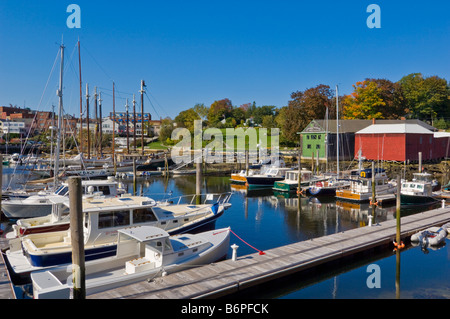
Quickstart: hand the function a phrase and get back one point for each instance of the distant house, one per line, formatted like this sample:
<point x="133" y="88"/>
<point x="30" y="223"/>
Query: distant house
<point x="400" y="142"/>
<point x="320" y="137"/>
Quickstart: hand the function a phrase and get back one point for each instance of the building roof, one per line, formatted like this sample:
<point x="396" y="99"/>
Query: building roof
<point x="352" y="126"/>
<point x="395" y="129"/>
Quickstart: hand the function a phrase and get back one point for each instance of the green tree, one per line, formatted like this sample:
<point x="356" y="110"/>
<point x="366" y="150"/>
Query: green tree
<point x="426" y="98"/>
<point x="186" y="119"/>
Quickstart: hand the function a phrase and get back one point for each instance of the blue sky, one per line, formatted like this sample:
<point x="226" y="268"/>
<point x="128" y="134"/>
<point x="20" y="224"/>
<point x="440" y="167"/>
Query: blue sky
<point x="195" y="51"/>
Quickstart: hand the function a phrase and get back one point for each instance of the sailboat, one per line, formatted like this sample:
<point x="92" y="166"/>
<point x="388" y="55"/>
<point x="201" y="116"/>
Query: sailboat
<point x="328" y="185"/>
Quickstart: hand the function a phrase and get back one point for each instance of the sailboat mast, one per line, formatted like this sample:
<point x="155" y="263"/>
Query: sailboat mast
<point x="114" y="129"/>
<point x="337" y="130"/>
<point x="60" y="95"/>
<point x="87" y="123"/>
<point x="142" y="114"/>
<point x="101" y="123"/>
<point x="81" y="99"/>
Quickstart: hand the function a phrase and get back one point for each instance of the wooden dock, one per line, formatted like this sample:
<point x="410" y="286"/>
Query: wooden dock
<point x="228" y="277"/>
<point x="6" y="289"/>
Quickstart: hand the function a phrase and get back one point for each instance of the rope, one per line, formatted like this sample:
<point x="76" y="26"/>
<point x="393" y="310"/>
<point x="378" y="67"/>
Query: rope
<point x="260" y="251"/>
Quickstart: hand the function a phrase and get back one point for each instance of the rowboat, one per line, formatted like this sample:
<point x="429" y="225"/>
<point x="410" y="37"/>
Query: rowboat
<point x="142" y="252"/>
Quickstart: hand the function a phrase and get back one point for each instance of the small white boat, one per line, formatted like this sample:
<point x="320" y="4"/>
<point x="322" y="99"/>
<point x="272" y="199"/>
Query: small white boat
<point x="430" y="237"/>
<point x="142" y="253"/>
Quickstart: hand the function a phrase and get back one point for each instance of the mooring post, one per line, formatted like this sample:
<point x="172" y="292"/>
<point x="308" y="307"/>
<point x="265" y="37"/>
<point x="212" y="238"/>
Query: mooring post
<point x="399" y="187"/>
<point x="234" y="256"/>
<point x="134" y="177"/>
<point x="77" y="240"/>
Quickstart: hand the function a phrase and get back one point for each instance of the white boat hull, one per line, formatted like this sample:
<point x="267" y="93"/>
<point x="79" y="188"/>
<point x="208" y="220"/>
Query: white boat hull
<point x="109" y="273"/>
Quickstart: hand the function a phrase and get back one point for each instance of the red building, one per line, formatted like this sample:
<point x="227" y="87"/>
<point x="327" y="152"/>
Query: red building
<point x="399" y="142"/>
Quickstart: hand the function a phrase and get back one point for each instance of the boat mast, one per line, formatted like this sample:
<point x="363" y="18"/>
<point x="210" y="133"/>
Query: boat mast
<point x="81" y="99"/>
<point x="337" y="130"/>
<point x="326" y="141"/>
<point x="87" y="122"/>
<point x="142" y="118"/>
<point x="128" y="135"/>
<point x="60" y="95"/>
<point x="101" y="123"/>
<point x="114" y="129"/>
<point x="134" y="122"/>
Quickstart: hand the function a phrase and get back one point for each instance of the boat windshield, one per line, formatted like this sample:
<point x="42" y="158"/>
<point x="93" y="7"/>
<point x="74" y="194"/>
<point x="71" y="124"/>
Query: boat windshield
<point x="63" y="190"/>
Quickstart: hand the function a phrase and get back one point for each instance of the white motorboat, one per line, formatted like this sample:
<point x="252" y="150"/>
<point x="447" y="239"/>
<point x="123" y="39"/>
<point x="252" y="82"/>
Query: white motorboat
<point x="143" y="252"/>
<point x="430" y="237"/>
<point x="41" y="204"/>
<point x="103" y="217"/>
<point x="419" y="190"/>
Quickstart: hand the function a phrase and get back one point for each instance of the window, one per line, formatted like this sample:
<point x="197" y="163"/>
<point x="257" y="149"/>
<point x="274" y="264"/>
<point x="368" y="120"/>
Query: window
<point x="318" y="147"/>
<point x="113" y="219"/>
<point x="143" y="215"/>
<point x="104" y="189"/>
<point x="308" y="146"/>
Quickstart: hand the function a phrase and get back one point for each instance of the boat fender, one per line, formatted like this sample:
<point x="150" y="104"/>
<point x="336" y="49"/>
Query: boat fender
<point x="398" y="246"/>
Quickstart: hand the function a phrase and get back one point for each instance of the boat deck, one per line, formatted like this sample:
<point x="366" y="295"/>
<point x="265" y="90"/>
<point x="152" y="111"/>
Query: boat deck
<point x="228" y="277"/>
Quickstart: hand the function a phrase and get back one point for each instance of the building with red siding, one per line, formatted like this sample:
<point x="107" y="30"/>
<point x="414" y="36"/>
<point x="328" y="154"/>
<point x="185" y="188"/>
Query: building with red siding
<point x="399" y="142"/>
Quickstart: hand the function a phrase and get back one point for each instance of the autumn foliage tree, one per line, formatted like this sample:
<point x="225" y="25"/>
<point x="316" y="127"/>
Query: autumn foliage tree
<point x="374" y="99"/>
<point x="303" y="108"/>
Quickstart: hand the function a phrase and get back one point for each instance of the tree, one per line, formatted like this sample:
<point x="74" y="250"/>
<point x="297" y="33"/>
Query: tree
<point x="219" y="110"/>
<point x="186" y="119"/>
<point x="201" y="110"/>
<point x="365" y="102"/>
<point x="425" y="98"/>
<point x="303" y="108"/>
<point x="165" y="132"/>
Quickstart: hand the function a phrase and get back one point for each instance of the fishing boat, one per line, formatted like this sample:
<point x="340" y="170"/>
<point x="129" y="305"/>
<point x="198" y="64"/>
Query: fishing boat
<point x="103" y="218"/>
<point x="268" y="177"/>
<point x="290" y="182"/>
<point x="418" y="191"/>
<point x="41" y="204"/>
<point x="143" y="253"/>
<point x="430" y="237"/>
<point x="327" y="187"/>
<point x="360" y="189"/>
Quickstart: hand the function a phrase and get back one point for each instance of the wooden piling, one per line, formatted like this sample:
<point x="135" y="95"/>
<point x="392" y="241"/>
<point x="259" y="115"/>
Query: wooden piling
<point x="77" y="238"/>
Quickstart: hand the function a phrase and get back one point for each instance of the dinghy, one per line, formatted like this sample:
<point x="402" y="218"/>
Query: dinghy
<point x="143" y="253"/>
<point x="430" y="237"/>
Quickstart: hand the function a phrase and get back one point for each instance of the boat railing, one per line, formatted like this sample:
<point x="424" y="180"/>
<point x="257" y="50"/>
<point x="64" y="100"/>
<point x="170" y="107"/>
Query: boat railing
<point x="212" y="198"/>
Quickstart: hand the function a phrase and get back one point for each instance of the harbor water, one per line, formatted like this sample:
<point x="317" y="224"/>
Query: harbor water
<point x="265" y="219"/>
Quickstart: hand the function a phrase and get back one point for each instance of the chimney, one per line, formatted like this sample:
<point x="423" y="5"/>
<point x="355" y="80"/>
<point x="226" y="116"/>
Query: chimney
<point x="373" y="121"/>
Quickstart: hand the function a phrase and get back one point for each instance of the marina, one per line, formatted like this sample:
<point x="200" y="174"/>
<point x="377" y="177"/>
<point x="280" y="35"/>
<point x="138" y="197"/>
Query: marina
<point x="314" y="232"/>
